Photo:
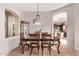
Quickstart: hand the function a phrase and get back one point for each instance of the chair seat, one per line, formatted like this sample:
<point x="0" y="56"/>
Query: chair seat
<point x="34" y="46"/>
<point x="34" y="43"/>
<point x="28" y="42"/>
<point x="54" y="43"/>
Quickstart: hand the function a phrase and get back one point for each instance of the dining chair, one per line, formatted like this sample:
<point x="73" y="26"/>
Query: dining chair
<point x="56" y="42"/>
<point x="22" y="43"/>
<point x="46" y="43"/>
<point x="35" y="42"/>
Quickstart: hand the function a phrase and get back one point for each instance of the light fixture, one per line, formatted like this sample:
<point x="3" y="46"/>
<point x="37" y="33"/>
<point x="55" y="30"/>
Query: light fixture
<point x="37" y="23"/>
<point x="37" y="16"/>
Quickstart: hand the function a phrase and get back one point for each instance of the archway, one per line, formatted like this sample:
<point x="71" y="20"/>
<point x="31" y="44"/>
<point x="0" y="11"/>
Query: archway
<point x="11" y="23"/>
<point x="59" y="25"/>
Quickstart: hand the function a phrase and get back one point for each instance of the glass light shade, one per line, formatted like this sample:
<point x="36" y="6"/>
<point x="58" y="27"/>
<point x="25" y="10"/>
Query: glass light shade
<point x="37" y="16"/>
<point x="37" y="23"/>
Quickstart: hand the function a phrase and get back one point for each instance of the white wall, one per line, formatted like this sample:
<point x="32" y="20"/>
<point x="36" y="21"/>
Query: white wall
<point x="7" y="44"/>
<point x="76" y="29"/>
<point x="70" y="22"/>
<point x="2" y="30"/>
<point x="45" y="20"/>
<point x="70" y="26"/>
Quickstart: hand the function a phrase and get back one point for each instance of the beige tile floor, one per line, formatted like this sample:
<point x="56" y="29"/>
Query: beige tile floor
<point x="64" y="51"/>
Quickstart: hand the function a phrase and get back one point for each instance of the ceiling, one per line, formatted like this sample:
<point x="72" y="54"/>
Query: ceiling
<point x="31" y="7"/>
<point x="43" y="7"/>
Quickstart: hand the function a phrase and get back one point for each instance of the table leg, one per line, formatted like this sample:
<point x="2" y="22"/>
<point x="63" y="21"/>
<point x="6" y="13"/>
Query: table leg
<point x="22" y="48"/>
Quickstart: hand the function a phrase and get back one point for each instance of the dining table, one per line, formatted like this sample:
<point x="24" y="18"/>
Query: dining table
<point x="52" y="40"/>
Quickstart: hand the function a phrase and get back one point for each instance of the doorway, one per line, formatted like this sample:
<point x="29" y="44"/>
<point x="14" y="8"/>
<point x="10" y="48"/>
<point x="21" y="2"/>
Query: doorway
<point x="59" y="25"/>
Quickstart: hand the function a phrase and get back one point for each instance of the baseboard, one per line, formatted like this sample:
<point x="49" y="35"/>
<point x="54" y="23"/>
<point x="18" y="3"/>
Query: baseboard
<point x="77" y="49"/>
<point x="5" y="52"/>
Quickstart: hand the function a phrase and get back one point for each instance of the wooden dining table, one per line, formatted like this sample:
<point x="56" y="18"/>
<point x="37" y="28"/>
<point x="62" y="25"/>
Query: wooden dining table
<point x="52" y="40"/>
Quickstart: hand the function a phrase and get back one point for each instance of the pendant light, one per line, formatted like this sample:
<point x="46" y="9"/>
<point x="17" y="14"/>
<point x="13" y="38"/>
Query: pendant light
<point x="37" y="16"/>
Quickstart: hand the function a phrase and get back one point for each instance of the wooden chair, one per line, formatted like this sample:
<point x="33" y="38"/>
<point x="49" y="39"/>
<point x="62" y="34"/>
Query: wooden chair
<point x="34" y="43"/>
<point x="58" y="39"/>
<point x="46" y="43"/>
<point x="22" y="43"/>
<point x="56" y="42"/>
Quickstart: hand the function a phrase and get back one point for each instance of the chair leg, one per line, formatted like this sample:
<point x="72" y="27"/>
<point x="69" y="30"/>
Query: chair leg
<point x="28" y="47"/>
<point x="49" y="50"/>
<point x="42" y="51"/>
<point x="31" y="51"/>
<point x="58" y="50"/>
<point x="58" y="47"/>
<point x="38" y="50"/>
<point x="23" y="49"/>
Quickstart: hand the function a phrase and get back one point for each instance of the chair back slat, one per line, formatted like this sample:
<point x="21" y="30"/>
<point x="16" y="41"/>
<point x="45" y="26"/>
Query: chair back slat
<point x="35" y="37"/>
<point x="47" y="37"/>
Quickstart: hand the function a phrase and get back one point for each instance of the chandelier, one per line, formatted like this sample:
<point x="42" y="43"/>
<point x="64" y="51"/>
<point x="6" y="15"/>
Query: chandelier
<point x="37" y="15"/>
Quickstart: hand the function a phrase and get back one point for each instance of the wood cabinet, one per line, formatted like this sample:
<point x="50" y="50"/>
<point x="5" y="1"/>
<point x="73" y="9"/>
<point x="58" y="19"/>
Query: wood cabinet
<point x="24" y="30"/>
